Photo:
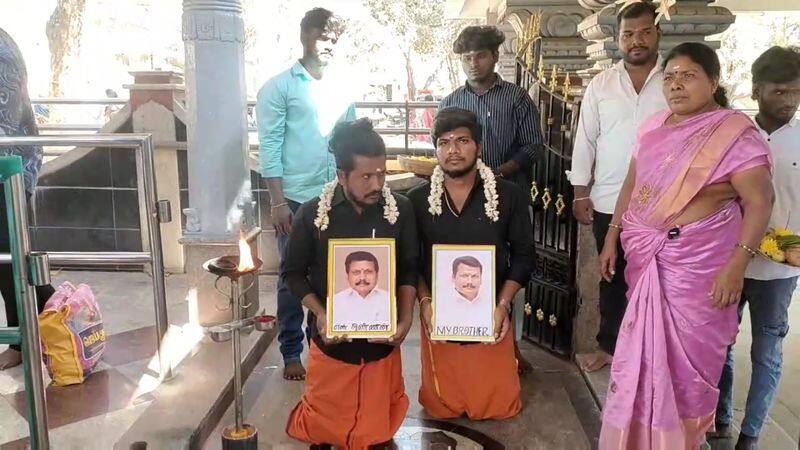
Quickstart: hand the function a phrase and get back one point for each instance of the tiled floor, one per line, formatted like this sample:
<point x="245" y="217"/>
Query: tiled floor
<point x="95" y="414"/>
<point x="558" y="409"/>
<point x="782" y="428"/>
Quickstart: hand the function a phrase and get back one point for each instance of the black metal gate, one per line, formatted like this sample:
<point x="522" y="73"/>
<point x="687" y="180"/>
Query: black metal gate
<point x="551" y="297"/>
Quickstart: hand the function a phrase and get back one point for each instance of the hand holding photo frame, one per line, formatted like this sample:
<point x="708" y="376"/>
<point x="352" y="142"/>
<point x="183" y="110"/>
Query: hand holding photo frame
<point x="361" y="288"/>
<point x="463" y="293"/>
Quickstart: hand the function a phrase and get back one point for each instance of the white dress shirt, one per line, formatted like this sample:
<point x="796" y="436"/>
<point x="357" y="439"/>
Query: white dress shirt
<point x="784" y="145"/>
<point x="349" y="308"/>
<point x="611" y="113"/>
<point x="456" y="310"/>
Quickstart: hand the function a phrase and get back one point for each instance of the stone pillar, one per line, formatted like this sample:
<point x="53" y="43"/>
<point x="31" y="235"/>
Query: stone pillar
<point x="507" y="63"/>
<point x="220" y="203"/>
<point x="691" y="20"/>
<point x="152" y="98"/>
<point x="561" y="44"/>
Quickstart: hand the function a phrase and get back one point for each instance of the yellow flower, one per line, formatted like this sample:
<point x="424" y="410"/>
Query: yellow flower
<point x="779" y="256"/>
<point x="782" y="232"/>
<point x="769" y="246"/>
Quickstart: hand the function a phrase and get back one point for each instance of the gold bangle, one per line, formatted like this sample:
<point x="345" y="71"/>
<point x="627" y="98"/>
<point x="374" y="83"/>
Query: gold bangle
<point x="579" y="199"/>
<point x="613" y="225"/>
<point x="279" y="205"/>
<point x="422" y="299"/>
<point x="747" y="249"/>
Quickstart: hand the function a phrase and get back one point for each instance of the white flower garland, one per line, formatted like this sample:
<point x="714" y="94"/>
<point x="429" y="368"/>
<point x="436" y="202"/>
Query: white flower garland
<point x="390" y="211"/>
<point x="489" y="191"/>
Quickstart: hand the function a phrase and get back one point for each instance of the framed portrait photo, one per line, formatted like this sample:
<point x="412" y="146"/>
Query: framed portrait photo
<point x="361" y="288"/>
<point x="463" y="293"/>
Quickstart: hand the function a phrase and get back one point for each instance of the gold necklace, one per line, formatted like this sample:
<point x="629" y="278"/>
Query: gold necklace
<point x="447" y="201"/>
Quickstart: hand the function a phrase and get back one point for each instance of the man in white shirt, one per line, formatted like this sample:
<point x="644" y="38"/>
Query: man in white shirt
<point x="615" y="104"/>
<point x="464" y="306"/>
<point x="363" y="302"/>
<point x="769" y="286"/>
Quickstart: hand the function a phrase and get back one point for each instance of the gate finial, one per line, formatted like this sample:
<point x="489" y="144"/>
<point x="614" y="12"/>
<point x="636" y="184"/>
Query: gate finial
<point x="565" y="90"/>
<point x="554" y="79"/>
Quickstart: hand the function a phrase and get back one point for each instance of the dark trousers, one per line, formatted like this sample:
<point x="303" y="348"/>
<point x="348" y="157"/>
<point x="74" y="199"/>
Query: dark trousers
<point x="613" y="299"/>
<point x="43" y="293"/>
<point x="290" y="308"/>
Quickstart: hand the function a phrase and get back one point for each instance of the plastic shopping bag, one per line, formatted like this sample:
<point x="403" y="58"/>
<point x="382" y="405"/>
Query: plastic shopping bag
<point x="73" y="338"/>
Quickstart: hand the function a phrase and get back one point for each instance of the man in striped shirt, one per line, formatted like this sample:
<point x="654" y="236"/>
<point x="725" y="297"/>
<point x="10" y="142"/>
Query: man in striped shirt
<point x="508" y="116"/>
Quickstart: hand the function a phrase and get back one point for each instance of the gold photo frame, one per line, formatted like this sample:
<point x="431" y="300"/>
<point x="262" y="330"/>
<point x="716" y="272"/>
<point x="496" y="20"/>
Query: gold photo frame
<point x="372" y="281"/>
<point x="463" y="310"/>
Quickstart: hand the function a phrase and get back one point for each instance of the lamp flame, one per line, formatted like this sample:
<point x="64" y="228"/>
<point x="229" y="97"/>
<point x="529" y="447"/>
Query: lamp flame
<point x="245" y="257"/>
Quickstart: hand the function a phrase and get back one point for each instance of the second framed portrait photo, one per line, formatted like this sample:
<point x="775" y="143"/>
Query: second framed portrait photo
<point x="463" y="293"/>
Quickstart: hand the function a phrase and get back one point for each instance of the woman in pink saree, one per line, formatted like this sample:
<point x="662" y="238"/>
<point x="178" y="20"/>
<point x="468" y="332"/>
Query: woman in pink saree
<point x="693" y="207"/>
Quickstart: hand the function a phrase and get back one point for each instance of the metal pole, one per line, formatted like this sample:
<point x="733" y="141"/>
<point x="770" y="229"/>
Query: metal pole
<point x="145" y="169"/>
<point x="408" y="125"/>
<point x="81" y="259"/>
<point x="237" y="355"/>
<point x="31" y="351"/>
<point x="142" y="144"/>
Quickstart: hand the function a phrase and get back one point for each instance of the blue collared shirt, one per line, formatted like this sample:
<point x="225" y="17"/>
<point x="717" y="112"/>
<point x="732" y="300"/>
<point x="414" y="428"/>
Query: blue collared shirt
<point x="295" y="115"/>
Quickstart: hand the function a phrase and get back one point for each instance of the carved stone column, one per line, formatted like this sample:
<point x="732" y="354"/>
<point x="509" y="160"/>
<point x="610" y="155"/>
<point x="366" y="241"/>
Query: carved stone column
<point x="691" y="21"/>
<point x="507" y="64"/>
<point x="219" y="182"/>
<point x="220" y="198"/>
<point x="561" y="44"/>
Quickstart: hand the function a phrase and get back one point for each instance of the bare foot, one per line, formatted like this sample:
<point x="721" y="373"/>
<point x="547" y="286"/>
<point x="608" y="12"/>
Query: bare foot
<point x="523" y="366"/>
<point x="596" y="361"/>
<point x="294" y="371"/>
<point x="10" y="358"/>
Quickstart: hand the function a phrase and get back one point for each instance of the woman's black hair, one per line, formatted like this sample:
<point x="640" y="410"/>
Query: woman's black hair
<point x="707" y="58"/>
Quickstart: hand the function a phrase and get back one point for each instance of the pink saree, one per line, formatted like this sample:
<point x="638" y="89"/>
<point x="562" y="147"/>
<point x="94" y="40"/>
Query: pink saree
<point x="672" y="342"/>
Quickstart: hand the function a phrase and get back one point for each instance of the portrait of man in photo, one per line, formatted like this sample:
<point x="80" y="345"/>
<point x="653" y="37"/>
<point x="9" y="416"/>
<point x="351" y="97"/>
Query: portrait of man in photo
<point x="362" y="301"/>
<point x="463" y="305"/>
<point x="467" y="272"/>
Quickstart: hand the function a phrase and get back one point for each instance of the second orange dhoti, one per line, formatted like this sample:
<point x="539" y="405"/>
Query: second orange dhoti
<point x="348" y="405"/>
<point x="478" y="380"/>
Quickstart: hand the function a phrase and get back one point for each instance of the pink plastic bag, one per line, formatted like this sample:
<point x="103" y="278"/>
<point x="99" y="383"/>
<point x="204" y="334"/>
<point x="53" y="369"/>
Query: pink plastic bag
<point x="72" y="333"/>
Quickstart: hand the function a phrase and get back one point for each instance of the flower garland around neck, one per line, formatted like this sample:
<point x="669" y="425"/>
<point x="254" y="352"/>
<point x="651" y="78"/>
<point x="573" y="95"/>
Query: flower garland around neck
<point x="489" y="191"/>
<point x="390" y="212"/>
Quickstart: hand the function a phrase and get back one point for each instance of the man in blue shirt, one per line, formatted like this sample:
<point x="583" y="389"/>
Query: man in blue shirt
<point x="296" y="110"/>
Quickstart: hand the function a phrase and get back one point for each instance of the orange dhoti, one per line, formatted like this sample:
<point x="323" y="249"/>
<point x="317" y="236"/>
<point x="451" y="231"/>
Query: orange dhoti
<point x="349" y="405"/>
<point x="478" y="380"/>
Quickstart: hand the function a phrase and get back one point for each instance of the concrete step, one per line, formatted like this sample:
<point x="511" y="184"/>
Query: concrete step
<point x="187" y="408"/>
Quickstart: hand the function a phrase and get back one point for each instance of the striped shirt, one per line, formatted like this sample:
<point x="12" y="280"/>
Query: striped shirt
<point x="509" y="120"/>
